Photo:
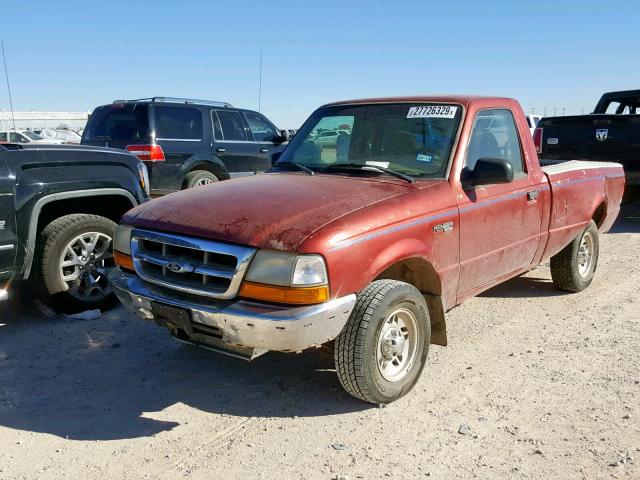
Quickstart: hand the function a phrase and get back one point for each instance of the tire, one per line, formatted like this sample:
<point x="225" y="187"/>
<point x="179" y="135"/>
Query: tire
<point x="572" y="268"/>
<point x="69" y="240"/>
<point x="199" y="178"/>
<point x="361" y="356"/>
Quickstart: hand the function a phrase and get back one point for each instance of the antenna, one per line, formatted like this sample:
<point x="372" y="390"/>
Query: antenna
<point x="260" y="86"/>
<point x="6" y="74"/>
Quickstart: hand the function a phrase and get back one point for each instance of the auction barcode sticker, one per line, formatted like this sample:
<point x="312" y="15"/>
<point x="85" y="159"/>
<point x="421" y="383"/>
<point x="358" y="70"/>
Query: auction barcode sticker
<point x="432" y="111"/>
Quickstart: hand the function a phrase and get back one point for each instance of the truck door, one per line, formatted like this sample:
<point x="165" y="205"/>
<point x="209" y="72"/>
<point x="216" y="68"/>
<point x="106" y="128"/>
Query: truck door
<point x="8" y="243"/>
<point x="499" y="224"/>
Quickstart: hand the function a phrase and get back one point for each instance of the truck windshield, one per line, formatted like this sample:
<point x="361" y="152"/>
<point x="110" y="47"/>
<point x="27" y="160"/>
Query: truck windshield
<point x="413" y="139"/>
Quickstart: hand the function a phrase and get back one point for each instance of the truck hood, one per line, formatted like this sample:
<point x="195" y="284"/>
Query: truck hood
<point x="276" y="211"/>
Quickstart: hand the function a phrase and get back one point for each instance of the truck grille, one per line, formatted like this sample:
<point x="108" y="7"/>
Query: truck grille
<point x="190" y="265"/>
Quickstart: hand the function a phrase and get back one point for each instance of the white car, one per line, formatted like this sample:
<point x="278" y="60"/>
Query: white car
<point x="66" y="136"/>
<point x="26" y="136"/>
<point x="329" y="138"/>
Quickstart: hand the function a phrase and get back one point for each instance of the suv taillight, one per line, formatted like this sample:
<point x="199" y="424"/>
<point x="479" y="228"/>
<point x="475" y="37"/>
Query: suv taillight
<point x="147" y="153"/>
<point x="537" y="139"/>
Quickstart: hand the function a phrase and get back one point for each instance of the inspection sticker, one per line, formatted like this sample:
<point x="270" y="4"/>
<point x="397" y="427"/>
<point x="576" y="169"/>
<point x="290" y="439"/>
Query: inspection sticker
<point x="432" y="111"/>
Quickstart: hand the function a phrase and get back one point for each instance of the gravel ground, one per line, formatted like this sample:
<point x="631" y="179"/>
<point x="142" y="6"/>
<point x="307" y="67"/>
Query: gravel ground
<point x="535" y="384"/>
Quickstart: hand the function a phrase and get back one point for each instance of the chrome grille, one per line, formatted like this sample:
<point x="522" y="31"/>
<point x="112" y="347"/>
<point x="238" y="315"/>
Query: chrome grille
<point x="188" y="264"/>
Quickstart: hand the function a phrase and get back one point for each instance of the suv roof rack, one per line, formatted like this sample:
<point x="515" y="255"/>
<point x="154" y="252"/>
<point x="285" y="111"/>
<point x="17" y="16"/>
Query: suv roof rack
<point x="177" y="100"/>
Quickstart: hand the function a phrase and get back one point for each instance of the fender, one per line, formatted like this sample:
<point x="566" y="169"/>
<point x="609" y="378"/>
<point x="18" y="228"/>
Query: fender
<point x="37" y="208"/>
<point x="426" y="279"/>
<point x="213" y="162"/>
<point x="400" y="251"/>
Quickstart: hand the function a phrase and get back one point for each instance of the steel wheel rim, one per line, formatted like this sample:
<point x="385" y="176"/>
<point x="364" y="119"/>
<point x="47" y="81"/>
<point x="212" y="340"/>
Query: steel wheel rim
<point x="204" y="181"/>
<point x="585" y="254"/>
<point x="397" y="345"/>
<point x="84" y="266"/>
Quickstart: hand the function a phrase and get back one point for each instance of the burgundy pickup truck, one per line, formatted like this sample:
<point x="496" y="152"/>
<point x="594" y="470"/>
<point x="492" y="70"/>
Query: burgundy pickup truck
<point x="419" y="204"/>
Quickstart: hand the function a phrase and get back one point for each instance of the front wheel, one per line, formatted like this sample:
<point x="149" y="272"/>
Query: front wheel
<point x="572" y="268"/>
<point x="383" y="348"/>
<point x="73" y="260"/>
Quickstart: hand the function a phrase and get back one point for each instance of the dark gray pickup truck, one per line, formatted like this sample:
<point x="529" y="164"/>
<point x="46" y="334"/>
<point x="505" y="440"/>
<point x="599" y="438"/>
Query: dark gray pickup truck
<point x="58" y="211"/>
<point x="611" y="133"/>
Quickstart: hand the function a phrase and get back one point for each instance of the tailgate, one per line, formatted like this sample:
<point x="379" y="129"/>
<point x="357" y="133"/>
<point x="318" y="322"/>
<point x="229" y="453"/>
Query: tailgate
<point x="593" y="137"/>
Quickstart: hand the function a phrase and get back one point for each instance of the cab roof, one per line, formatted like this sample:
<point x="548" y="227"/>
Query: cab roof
<point x="464" y="100"/>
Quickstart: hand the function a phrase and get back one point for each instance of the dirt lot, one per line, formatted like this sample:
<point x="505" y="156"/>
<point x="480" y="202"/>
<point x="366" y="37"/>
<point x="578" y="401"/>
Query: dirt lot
<point x="547" y="383"/>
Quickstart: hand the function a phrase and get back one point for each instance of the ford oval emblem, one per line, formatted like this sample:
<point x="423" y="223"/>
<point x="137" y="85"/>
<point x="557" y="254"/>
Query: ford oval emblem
<point x="175" y="267"/>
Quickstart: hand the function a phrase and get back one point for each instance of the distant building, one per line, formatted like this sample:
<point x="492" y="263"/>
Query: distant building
<point x="38" y="120"/>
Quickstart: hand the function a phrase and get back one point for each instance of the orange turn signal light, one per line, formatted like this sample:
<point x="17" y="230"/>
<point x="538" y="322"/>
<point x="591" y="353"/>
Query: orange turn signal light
<point x="289" y="295"/>
<point x="123" y="261"/>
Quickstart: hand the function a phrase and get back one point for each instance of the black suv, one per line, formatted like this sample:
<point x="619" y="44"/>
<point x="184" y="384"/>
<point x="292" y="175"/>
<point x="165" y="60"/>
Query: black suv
<point x="184" y="142"/>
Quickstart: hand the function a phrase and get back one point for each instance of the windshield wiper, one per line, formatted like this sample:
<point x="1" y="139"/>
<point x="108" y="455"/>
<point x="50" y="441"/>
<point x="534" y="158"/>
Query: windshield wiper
<point x="299" y="166"/>
<point x="362" y="166"/>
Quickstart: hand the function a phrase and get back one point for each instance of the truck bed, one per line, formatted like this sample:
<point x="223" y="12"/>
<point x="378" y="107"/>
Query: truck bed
<point x="577" y="186"/>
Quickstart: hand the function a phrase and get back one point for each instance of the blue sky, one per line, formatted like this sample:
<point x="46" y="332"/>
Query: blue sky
<point x="75" y="55"/>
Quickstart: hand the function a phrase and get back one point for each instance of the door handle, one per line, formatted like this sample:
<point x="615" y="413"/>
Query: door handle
<point x="221" y="150"/>
<point x="532" y="195"/>
<point x="264" y="150"/>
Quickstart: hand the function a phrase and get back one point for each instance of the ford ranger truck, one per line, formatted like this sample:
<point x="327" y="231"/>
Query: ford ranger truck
<point x="421" y="203"/>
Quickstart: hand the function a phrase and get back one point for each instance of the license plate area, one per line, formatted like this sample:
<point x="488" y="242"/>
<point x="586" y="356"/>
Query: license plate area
<point x="172" y="316"/>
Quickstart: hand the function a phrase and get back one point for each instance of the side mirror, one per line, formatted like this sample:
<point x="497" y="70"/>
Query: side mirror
<point x="282" y="137"/>
<point x="489" y="171"/>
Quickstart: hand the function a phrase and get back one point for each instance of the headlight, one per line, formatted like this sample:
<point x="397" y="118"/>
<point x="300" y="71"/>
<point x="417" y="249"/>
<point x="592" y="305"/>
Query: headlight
<point x="286" y="278"/>
<point x="309" y="270"/>
<point x="272" y="267"/>
<point x="143" y="173"/>
<point x="287" y="269"/>
<point x="122" y="240"/>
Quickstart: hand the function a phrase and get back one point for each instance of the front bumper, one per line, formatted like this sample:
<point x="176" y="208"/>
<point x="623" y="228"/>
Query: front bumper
<point x="238" y="327"/>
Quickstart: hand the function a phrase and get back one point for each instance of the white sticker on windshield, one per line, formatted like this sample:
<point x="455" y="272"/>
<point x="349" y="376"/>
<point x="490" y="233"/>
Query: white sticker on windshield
<point x="432" y="111"/>
<point x="377" y="164"/>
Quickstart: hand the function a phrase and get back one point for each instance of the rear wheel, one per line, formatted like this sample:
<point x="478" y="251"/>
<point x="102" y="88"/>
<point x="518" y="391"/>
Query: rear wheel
<point x="572" y="268"/>
<point x="73" y="260"/>
<point x="199" y="178"/>
<point x="382" y="349"/>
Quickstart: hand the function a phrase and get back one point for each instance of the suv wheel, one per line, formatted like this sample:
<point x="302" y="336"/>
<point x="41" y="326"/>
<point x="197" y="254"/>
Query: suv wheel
<point x="74" y="257"/>
<point x="383" y="348"/>
<point x="199" y="178"/>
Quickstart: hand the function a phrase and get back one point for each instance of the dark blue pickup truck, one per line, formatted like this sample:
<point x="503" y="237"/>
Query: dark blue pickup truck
<point x="611" y="133"/>
<point x="59" y="206"/>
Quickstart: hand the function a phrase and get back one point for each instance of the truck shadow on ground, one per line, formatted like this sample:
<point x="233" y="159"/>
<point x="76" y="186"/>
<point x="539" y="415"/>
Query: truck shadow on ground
<point x="628" y="220"/>
<point x="112" y="378"/>
<point x="521" y="287"/>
